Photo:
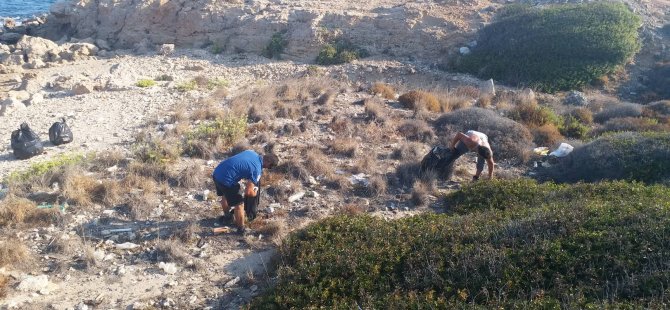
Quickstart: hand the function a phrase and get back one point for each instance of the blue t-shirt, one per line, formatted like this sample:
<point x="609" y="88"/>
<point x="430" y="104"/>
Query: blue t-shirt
<point x="246" y="165"/>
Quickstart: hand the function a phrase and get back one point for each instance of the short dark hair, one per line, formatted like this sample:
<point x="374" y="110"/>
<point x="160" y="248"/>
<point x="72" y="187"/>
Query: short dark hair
<point x="270" y="160"/>
<point x="484" y="152"/>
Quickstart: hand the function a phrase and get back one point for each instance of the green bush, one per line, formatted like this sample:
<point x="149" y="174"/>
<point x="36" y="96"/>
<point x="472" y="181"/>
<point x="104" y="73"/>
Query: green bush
<point x="187" y="86"/>
<point x="571" y="127"/>
<point x="623" y="156"/>
<point x="276" y="46"/>
<point x="535" y="246"/>
<point x="209" y="138"/>
<point x="145" y="83"/>
<point x="557" y="48"/>
<point x="341" y="52"/>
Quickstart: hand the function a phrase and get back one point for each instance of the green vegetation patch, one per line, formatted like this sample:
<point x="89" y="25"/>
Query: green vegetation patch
<point x="557" y="48"/>
<point x="340" y="52"/>
<point x="43" y="167"/>
<point x="145" y="83"/>
<point x="276" y="46"/>
<point x="621" y="156"/>
<point x="553" y="246"/>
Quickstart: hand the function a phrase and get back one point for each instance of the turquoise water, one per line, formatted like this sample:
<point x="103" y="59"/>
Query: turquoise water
<point x="24" y="8"/>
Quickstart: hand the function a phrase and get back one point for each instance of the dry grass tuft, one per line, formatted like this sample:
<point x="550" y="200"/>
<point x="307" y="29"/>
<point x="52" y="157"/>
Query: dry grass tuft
<point x="170" y="251"/>
<point x="287" y="110"/>
<point x="416" y="130"/>
<point x="364" y="162"/>
<point x="274" y="229"/>
<point x="138" y="182"/>
<point x="340" y="125"/>
<point x="583" y="115"/>
<point x="193" y="176"/>
<point x="189" y="233"/>
<point x="141" y="203"/>
<point x="375" y="110"/>
<point x="420" y="192"/>
<point x="377" y="187"/>
<point x="108" y="159"/>
<point x="88" y="258"/>
<point x="157" y="171"/>
<point x="208" y="111"/>
<point x="78" y="188"/>
<point x="107" y="192"/>
<point x="327" y="99"/>
<point x="15" y="254"/>
<point x="344" y="147"/>
<point x="419" y="100"/>
<point x="64" y="244"/>
<point x="317" y="163"/>
<point x="407" y="173"/>
<point x="384" y="90"/>
<point x="351" y="209"/>
<point x="4" y="285"/>
<point x="547" y="135"/>
<point x="409" y="151"/>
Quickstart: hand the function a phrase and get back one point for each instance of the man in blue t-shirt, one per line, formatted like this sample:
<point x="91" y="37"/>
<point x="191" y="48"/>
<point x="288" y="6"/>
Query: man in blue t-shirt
<point x="247" y="165"/>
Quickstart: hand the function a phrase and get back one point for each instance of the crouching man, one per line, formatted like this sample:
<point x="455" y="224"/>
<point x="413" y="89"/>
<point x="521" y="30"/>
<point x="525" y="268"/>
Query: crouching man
<point x="248" y="166"/>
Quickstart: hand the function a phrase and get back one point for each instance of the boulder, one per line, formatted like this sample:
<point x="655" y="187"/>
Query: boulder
<point x="576" y="98"/>
<point x="82" y="88"/>
<point x="36" y="98"/>
<point x="36" y="64"/>
<point x="10" y="37"/>
<point x="15" y="59"/>
<point x="102" y="44"/>
<point x="35" y="48"/>
<point x="166" y="49"/>
<point x="9" y="23"/>
<point x="10" y="104"/>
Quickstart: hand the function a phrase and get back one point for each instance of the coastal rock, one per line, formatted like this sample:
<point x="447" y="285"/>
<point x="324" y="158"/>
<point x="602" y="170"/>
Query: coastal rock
<point x="166" y="49"/>
<point x="576" y="98"/>
<point x="35" y="48"/>
<point x="10" y="37"/>
<point x="82" y="88"/>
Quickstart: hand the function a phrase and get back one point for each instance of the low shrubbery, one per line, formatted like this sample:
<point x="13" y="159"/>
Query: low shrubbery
<point x="384" y="90"/>
<point x="555" y="48"/>
<point x="420" y="100"/>
<point x="618" y="110"/>
<point x="511" y="244"/>
<point x="629" y="156"/>
<point x="509" y="139"/>
<point x="276" y="46"/>
<point x="339" y="53"/>
<point x="145" y="83"/>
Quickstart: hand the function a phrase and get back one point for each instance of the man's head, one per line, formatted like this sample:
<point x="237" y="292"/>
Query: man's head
<point x="484" y="152"/>
<point x="270" y="161"/>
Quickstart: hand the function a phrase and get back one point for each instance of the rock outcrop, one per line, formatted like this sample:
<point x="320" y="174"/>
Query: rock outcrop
<point x="383" y="26"/>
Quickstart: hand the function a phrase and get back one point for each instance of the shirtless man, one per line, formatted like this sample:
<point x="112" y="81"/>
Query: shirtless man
<point x="473" y="141"/>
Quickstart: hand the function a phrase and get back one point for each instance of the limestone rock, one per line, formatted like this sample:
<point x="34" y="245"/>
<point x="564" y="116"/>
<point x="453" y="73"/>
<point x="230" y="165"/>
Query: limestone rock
<point x="36" y="98"/>
<point x="82" y="88"/>
<point x="10" y="104"/>
<point x="166" y="49"/>
<point x="576" y="98"/>
<point x="35" y="48"/>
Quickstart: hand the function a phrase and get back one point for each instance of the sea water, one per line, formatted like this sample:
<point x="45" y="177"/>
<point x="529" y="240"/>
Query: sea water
<point x="20" y="9"/>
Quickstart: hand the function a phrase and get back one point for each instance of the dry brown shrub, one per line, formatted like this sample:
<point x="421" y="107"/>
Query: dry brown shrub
<point x="88" y="258"/>
<point x="14" y="211"/>
<point x="547" y="135"/>
<point x="272" y="178"/>
<point x="4" y="285"/>
<point x="157" y="171"/>
<point x="170" y="251"/>
<point x="287" y="110"/>
<point x="409" y="151"/>
<point x="583" y="115"/>
<point x="344" y="147"/>
<point x="420" y="192"/>
<point x="208" y="111"/>
<point x="107" y="192"/>
<point x="220" y="92"/>
<point x="193" y="176"/>
<point x="317" y="163"/>
<point x="416" y="130"/>
<point x="351" y="209"/>
<point x="141" y="203"/>
<point x="376" y="188"/>
<point x="189" y="233"/>
<point x="269" y="228"/>
<point x="294" y="169"/>
<point x="419" y="99"/>
<point x="339" y="182"/>
<point x="65" y="244"/>
<point x="15" y="254"/>
<point x="179" y="115"/>
<point x="364" y="162"/>
<point x="340" y="125"/>
<point x="530" y="114"/>
<point x="78" y="188"/>
<point x="108" y="159"/>
<point x="134" y="182"/>
<point x="327" y="99"/>
<point x="385" y="90"/>
<point x="467" y="91"/>
<point x="375" y="110"/>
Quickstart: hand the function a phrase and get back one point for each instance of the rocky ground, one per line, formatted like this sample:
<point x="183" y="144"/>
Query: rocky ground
<point x="102" y="256"/>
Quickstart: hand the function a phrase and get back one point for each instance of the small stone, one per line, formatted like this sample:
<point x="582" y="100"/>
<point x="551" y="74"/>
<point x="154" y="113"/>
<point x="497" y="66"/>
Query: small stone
<point x="254" y="288"/>
<point x="169" y="268"/>
<point x="464" y="50"/>
<point x="232" y="282"/>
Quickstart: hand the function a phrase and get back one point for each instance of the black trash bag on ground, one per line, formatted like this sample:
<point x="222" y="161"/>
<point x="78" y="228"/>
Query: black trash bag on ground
<point x="438" y="161"/>
<point x="251" y="204"/>
<point x="25" y="142"/>
<point x="60" y="133"/>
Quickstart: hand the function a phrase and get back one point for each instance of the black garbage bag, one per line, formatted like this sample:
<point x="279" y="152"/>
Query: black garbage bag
<point x="60" y="133"/>
<point x="25" y="142"/>
<point x="438" y="161"/>
<point x="251" y="204"/>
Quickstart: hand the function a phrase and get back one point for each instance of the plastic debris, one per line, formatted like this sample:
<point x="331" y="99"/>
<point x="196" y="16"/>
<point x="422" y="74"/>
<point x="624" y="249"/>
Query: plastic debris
<point x="61" y="207"/>
<point x="127" y="246"/>
<point x="360" y="178"/>
<point x="169" y="268"/>
<point x="563" y="150"/>
<point x="296" y="196"/>
<point x="542" y="151"/>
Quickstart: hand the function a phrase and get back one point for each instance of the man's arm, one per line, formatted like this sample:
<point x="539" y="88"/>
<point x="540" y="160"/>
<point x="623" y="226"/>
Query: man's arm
<point x="490" y="164"/>
<point x="251" y="189"/>
<point x="458" y="137"/>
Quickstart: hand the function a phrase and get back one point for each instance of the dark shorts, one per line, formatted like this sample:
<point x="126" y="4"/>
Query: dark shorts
<point x="232" y="194"/>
